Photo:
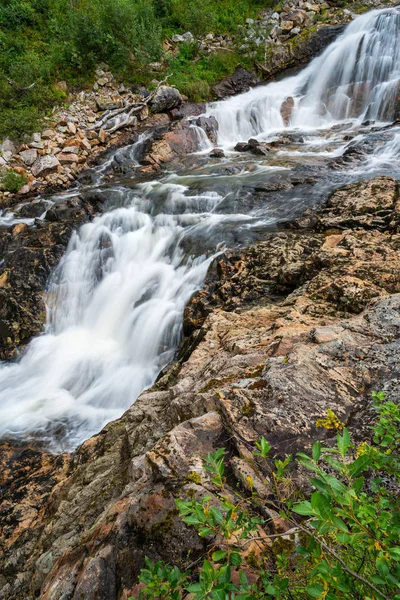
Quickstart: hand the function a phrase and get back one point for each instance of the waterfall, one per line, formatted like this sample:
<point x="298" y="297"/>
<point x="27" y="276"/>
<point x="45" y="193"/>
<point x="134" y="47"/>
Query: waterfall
<point x="115" y="307"/>
<point x="115" y="302"/>
<point x="356" y="77"/>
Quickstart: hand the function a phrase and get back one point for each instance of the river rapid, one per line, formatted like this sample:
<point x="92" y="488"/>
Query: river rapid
<point x="115" y="302"/>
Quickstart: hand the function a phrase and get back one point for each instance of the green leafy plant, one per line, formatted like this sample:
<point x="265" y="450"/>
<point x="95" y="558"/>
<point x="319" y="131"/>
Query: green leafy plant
<point x="343" y="541"/>
<point x="12" y="181"/>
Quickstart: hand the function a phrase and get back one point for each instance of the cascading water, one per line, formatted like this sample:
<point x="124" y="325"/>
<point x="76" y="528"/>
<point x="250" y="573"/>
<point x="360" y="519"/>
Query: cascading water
<point x="357" y="77"/>
<point x="116" y="300"/>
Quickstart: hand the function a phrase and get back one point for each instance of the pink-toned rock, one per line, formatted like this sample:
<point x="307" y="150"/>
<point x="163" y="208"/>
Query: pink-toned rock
<point x="102" y="136"/>
<point x="67" y="158"/>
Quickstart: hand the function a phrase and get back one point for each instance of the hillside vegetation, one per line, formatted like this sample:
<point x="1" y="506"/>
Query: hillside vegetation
<point x="45" y="41"/>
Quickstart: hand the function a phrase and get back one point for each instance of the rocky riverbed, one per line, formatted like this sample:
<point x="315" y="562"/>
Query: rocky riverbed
<point x="306" y="320"/>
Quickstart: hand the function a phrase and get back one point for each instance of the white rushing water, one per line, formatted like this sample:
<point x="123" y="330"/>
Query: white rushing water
<point x="116" y="301"/>
<point x="357" y="77"/>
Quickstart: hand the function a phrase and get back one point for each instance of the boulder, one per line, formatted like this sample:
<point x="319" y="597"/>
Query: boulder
<point x="45" y="164"/>
<point x="240" y="81"/>
<point x="29" y="156"/>
<point x="165" y="99"/>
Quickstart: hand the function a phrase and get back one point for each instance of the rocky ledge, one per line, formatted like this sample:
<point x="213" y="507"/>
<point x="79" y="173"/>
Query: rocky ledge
<point x="307" y="320"/>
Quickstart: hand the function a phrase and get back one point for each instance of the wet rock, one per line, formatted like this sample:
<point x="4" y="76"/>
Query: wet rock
<point x="45" y="164"/>
<point x="242" y="147"/>
<point x="241" y="81"/>
<point x="284" y="56"/>
<point x="287" y="109"/>
<point x="217" y="153"/>
<point x="165" y="99"/>
<point x="258" y="148"/>
<point x="210" y="126"/>
<point x="31" y="210"/>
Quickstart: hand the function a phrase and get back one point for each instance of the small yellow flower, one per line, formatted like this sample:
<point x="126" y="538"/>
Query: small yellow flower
<point x="331" y="421"/>
<point x="362" y="449"/>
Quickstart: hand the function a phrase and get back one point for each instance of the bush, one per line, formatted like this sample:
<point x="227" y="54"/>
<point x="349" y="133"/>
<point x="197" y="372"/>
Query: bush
<point x="344" y="540"/>
<point x="12" y="181"/>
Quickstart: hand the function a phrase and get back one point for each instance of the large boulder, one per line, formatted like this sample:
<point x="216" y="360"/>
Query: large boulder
<point x="165" y="99"/>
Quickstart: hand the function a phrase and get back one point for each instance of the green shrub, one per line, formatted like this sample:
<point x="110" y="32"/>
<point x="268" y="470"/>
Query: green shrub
<point x="344" y="540"/>
<point x="12" y="181"/>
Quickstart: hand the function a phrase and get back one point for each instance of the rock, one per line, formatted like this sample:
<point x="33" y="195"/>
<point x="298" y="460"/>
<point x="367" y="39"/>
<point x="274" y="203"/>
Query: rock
<point x="165" y="99"/>
<point x="217" y="153"/>
<point x="286" y="110"/>
<point x="8" y="146"/>
<point x="295" y="31"/>
<point x="284" y="56"/>
<point x="67" y="158"/>
<point x="296" y="324"/>
<point x="31" y="210"/>
<point x="184" y="38"/>
<point x="29" y="156"/>
<point x="44" y="165"/>
<point x="242" y="147"/>
<point x="7" y="155"/>
<point x="102" y="136"/>
<point x="241" y="81"/>
<point x="210" y="126"/>
<point x="36" y="137"/>
<point x="258" y="148"/>
<point x="72" y="128"/>
<point x="37" y="145"/>
<point x="70" y="150"/>
<point x="48" y="134"/>
<point x="286" y="26"/>
<point x="61" y="86"/>
<point x="24" y="190"/>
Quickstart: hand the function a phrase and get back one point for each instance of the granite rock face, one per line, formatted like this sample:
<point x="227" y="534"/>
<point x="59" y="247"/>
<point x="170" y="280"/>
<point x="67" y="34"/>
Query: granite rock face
<point x="305" y="321"/>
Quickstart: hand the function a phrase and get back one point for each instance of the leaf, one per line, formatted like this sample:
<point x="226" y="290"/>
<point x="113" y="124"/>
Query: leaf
<point x="316" y="451"/>
<point x="382" y="566"/>
<point x="315" y="591"/>
<point x="359" y="465"/>
<point x="304" y="508"/>
<point x="378" y="580"/>
<point x="340" y="524"/>
<point x="235" y="559"/>
<point x="344" y="538"/>
<point x="219" y="555"/>
<point x="321" y="505"/>
<point x="358" y="485"/>
<point x="319" y="484"/>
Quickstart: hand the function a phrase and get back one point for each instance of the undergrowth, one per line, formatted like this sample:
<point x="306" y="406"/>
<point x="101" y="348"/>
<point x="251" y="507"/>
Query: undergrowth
<point x="343" y="538"/>
<point x="45" y="41"/>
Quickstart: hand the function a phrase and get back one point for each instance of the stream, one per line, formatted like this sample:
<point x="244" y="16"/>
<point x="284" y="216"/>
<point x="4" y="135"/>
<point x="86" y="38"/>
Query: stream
<point x="115" y="302"/>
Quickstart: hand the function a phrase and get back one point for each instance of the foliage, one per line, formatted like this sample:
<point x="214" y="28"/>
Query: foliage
<point x="44" y="41"/>
<point x="12" y="181"/>
<point x="344" y="540"/>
